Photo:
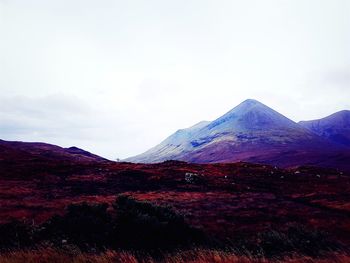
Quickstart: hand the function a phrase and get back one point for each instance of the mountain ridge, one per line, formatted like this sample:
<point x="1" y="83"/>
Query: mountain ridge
<point x="251" y="131"/>
<point x="335" y="127"/>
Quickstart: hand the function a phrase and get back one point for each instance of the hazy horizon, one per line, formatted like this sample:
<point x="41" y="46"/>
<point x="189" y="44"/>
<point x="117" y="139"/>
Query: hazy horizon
<point x="118" y="77"/>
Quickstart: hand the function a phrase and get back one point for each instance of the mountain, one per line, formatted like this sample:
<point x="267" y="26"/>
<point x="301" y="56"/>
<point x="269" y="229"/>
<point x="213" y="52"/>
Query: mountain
<point x="250" y="132"/>
<point x="32" y="160"/>
<point x="335" y="127"/>
<point x="12" y="150"/>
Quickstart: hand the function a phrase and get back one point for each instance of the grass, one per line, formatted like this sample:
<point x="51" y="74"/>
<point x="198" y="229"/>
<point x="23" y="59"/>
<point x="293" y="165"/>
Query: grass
<point x="92" y="233"/>
<point x="49" y="255"/>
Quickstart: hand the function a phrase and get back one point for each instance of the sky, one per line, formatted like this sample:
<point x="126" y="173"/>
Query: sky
<point x="116" y="77"/>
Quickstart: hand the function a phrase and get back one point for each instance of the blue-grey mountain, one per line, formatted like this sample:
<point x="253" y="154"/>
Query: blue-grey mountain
<point x="249" y="132"/>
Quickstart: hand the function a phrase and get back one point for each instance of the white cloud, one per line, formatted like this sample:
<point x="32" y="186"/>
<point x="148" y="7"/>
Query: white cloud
<point x="129" y="73"/>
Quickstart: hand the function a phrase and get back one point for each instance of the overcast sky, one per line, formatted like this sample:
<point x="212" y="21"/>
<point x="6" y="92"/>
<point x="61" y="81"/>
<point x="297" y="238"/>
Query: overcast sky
<point x="117" y="77"/>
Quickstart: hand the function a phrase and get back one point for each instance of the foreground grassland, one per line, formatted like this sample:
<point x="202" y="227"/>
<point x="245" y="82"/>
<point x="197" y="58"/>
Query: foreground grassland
<point x="192" y="256"/>
<point x="173" y="212"/>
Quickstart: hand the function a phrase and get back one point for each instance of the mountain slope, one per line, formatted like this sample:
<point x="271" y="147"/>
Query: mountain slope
<point x="335" y="127"/>
<point x="42" y="151"/>
<point x="172" y="147"/>
<point x="249" y="132"/>
<point x="29" y="161"/>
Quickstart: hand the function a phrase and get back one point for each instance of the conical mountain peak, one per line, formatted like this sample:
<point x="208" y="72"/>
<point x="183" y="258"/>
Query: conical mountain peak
<point x="251" y="114"/>
<point x="246" y="131"/>
<point x="250" y="102"/>
<point x="250" y="105"/>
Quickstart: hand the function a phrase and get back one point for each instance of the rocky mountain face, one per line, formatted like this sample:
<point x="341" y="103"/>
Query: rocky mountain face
<point x="250" y="132"/>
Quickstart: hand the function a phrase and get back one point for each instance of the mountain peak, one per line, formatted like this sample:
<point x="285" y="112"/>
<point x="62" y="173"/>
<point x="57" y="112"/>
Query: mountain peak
<point x="251" y="114"/>
<point x="249" y="105"/>
<point x="341" y="114"/>
<point x="251" y="101"/>
<point x="336" y="119"/>
<point x="246" y="132"/>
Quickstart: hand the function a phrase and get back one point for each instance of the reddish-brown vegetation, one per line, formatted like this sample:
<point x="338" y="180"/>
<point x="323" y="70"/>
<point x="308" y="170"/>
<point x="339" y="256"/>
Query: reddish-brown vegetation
<point x="192" y="256"/>
<point x="226" y="201"/>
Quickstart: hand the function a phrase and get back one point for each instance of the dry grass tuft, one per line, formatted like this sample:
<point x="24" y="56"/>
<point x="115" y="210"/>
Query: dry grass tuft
<point x="192" y="256"/>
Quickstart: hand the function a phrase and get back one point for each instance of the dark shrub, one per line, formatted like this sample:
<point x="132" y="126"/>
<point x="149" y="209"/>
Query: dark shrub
<point x="298" y="239"/>
<point x="311" y="241"/>
<point x="83" y="225"/>
<point x="273" y="243"/>
<point x="16" y="235"/>
<point x="142" y="225"/>
<point x="133" y="225"/>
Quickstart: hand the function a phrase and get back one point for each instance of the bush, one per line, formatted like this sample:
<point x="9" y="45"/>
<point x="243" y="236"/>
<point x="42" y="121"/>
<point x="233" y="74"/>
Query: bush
<point x="132" y="225"/>
<point x="83" y="225"/>
<point x="142" y="225"/>
<point x="15" y="234"/>
<point x="298" y="239"/>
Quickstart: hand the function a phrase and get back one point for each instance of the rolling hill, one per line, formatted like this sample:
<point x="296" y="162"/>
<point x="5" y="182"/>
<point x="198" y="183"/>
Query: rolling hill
<point x="27" y="159"/>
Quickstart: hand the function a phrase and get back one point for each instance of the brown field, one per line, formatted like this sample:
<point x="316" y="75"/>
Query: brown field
<point x="222" y="199"/>
<point x="226" y="201"/>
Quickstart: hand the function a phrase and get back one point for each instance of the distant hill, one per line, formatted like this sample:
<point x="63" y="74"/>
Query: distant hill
<point x="250" y="132"/>
<point x="28" y="160"/>
<point x="12" y="150"/>
<point x="335" y="127"/>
